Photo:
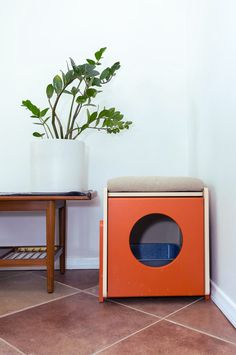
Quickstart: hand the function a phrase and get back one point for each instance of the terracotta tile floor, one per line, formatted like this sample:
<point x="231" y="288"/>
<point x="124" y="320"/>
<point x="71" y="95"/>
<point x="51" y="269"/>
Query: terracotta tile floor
<point x="71" y="321"/>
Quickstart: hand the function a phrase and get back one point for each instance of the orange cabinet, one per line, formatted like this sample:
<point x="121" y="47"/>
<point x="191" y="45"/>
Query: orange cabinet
<point x="154" y="246"/>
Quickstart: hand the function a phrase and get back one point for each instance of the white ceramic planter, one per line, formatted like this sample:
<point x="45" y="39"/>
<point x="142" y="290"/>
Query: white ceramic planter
<point x="57" y="165"/>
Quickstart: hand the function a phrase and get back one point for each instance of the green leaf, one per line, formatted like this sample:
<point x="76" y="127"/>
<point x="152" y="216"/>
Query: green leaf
<point x="114" y="67"/>
<point x="93" y="73"/>
<point x="91" y="92"/>
<point x="105" y="122"/>
<point x="67" y="92"/>
<point x="88" y="114"/>
<point x="97" y="122"/>
<point x="50" y="91"/>
<point x="117" y="116"/>
<point x="98" y="54"/>
<point x="43" y="112"/>
<point x="105" y="74"/>
<point x="103" y="113"/>
<point x="111" y="111"/>
<point x="38" y="135"/>
<point x="92" y="117"/>
<point x="87" y="70"/>
<point x="63" y="77"/>
<point x="84" y="127"/>
<point x="34" y="109"/>
<point x="81" y="99"/>
<point x="70" y="76"/>
<point x="120" y="124"/>
<point x="92" y="105"/>
<point x="74" y="91"/>
<point x="78" y="71"/>
<point x="96" y="82"/>
<point x="57" y="83"/>
<point x="90" y="61"/>
<point x="112" y="120"/>
<point x="72" y="63"/>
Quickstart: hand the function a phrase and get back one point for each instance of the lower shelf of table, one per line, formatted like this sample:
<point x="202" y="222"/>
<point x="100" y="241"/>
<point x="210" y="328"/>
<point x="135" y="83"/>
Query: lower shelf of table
<point x="26" y="255"/>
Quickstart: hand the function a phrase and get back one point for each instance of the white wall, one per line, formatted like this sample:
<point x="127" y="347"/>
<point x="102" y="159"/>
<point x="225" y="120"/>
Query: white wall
<point x="149" y="38"/>
<point x="212" y="127"/>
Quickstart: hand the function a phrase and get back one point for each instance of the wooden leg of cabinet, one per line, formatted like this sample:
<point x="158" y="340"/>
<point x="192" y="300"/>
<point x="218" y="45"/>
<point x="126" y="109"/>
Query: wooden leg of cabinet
<point x="62" y="237"/>
<point x="50" y="239"/>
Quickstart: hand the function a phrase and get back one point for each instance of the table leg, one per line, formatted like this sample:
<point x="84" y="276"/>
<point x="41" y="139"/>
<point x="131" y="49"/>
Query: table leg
<point x="62" y="237"/>
<point x="50" y="240"/>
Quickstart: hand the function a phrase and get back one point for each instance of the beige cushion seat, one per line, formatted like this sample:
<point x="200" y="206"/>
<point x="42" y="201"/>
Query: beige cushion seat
<point x="154" y="184"/>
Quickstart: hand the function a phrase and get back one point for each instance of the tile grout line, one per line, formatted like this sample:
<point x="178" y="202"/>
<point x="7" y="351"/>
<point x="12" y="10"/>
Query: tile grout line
<point x="150" y="325"/>
<point x="12" y="346"/>
<point x="180" y="309"/>
<point x="74" y="287"/>
<point x="37" y="305"/>
<point x="126" y="337"/>
<point x="152" y="314"/>
<point x="90" y="288"/>
<point x="167" y="316"/>
<point x="89" y="293"/>
<point x="135" y="309"/>
<point x="121" y="304"/>
<point x="115" y="302"/>
<point x="194" y="329"/>
<point x="61" y="283"/>
<point x="200" y="331"/>
<point x="140" y="310"/>
<point x="160" y="320"/>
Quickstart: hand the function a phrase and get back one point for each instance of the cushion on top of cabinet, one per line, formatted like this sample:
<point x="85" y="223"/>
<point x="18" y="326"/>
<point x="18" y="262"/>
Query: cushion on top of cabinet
<point x="154" y="184"/>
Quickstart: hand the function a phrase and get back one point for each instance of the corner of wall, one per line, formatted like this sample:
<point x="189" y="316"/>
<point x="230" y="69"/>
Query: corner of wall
<point x="224" y="303"/>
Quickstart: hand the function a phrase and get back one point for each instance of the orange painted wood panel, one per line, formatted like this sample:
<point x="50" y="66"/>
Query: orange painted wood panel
<point x="100" y="298"/>
<point x="128" y="277"/>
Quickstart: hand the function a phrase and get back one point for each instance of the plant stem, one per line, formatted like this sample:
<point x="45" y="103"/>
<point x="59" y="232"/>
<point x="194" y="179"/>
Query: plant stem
<point x="76" y="135"/>
<point x="40" y="119"/>
<point x="60" y="126"/>
<point x="59" y="123"/>
<point x="71" y="109"/>
<point x="77" y="111"/>
<point x="99" y="129"/>
<point x="54" y="116"/>
<point x="49" y="130"/>
<point x="69" y="120"/>
<point x="74" y="129"/>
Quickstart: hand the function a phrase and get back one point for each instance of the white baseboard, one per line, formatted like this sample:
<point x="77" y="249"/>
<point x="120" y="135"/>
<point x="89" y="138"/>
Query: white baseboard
<point x="224" y="303"/>
<point x="82" y="263"/>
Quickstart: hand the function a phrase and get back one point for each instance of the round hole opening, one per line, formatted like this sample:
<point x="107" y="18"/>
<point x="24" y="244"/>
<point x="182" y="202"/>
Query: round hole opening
<point x="155" y="240"/>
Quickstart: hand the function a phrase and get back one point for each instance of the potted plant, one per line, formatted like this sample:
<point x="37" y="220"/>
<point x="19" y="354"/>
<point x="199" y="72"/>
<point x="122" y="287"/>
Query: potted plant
<point x="57" y="160"/>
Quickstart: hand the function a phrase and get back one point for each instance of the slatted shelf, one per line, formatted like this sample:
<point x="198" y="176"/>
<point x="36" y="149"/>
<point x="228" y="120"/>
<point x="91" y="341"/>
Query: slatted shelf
<point x="27" y="255"/>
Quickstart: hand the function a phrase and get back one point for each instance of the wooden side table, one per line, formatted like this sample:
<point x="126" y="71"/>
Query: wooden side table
<point x="40" y="255"/>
